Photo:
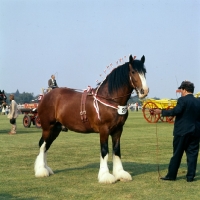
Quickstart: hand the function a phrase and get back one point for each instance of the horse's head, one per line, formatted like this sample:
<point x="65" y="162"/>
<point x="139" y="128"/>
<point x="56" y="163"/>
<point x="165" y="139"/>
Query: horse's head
<point x="137" y="76"/>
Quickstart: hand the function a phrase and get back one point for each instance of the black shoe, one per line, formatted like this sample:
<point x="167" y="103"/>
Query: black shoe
<point x="167" y="178"/>
<point x="190" y="179"/>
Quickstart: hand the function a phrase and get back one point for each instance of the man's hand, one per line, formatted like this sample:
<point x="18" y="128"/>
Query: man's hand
<point x="157" y="111"/>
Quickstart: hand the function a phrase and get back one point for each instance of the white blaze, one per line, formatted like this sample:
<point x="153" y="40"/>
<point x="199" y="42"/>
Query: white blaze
<point x="144" y="86"/>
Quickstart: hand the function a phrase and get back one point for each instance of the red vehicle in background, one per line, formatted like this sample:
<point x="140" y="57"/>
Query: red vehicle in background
<point x="30" y="113"/>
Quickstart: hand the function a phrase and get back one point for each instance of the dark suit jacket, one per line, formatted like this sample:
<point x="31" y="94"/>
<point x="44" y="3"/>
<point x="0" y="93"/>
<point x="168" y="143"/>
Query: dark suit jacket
<point x="198" y="120"/>
<point x="51" y="85"/>
<point x="187" y="112"/>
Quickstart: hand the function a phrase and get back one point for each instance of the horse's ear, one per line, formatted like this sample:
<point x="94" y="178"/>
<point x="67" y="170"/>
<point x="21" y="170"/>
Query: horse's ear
<point x="143" y="59"/>
<point x="130" y="59"/>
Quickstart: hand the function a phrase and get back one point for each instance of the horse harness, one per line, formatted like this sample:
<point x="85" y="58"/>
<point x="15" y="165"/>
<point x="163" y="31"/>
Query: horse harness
<point x="83" y="100"/>
<point x="91" y="92"/>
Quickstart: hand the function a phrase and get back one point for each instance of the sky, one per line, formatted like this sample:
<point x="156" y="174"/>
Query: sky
<point x="77" y="39"/>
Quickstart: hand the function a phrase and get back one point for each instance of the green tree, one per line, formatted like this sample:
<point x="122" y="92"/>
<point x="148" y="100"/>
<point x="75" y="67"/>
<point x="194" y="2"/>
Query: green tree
<point x="21" y="98"/>
<point x="17" y="93"/>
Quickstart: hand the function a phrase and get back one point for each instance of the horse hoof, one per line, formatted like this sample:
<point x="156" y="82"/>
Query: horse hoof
<point x="123" y="176"/>
<point x="107" y="178"/>
<point x="42" y="173"/>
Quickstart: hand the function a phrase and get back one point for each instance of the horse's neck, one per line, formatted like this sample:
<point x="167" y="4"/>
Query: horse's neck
<point x="121" y="96"/>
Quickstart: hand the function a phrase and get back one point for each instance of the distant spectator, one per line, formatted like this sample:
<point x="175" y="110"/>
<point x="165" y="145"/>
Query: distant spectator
<point x="3" y="108"/>
<point x="13" y="114"/>
<point x="6" y="110"/>
<point x="136" y="105"/>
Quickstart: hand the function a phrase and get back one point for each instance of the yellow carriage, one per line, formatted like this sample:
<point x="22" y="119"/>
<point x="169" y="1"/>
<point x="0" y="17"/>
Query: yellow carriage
<point x="150" y="104"/>
<point x="197" y="95"/>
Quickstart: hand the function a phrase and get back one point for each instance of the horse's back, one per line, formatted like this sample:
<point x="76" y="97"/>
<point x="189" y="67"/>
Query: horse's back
<point x="57" y="99"/>
<point x="52" y="97"/>
<point x="63" y="105"/>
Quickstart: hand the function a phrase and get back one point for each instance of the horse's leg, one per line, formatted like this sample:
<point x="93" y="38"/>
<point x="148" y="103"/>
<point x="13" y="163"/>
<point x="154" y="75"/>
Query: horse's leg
<point x="48" y="136"/>
<point x="46" y="166"/>
<point x="118" y="170"/>
<point x="39" y="167"/>
<point x="104" y="176"/>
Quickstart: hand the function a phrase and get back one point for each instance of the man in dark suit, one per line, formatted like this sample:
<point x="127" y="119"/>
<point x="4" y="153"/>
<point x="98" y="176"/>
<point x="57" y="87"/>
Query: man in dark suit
<point x="52" y="82"/>
<point x="186" y="132"/>
<point x="198" y="120"/>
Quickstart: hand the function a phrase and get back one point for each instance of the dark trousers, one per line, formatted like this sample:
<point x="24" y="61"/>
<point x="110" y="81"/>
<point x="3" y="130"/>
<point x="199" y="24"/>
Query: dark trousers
<point x="189" y="144"/>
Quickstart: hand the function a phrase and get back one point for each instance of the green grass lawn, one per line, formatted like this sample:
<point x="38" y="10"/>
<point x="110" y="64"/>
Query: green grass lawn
<point x="74" y="158"/>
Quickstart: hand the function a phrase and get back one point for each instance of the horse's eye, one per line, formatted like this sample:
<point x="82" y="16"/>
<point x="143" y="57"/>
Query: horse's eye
<point x="133" y="72"/>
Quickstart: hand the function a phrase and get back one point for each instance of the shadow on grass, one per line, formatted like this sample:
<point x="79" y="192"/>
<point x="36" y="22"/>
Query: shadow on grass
<point x="22" y="131"/>
<point x="4" y="131"/>
<point x="133" y="168"/>
<point x="136" y="169"/>
<point x="9" y="196"/>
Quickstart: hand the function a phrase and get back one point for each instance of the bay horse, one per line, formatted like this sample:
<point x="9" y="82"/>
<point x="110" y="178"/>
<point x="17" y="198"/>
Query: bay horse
<point x="105" y="112"/>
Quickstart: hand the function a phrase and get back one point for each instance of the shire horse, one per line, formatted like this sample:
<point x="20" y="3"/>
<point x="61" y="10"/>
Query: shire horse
<point x="105" y="112"/>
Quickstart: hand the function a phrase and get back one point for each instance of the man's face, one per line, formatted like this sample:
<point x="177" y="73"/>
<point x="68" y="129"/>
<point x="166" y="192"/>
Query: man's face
<point x="53" y="77"/>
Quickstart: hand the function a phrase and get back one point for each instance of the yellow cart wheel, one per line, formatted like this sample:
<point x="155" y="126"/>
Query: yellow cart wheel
<point x="148" y="112"/>
<point x="170" y="119"/>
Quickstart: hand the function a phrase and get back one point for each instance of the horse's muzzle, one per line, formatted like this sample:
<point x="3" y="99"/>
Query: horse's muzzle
<point x="142" y="93"/>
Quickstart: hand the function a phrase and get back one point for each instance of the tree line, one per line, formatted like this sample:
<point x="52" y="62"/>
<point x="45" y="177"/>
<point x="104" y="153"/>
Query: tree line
<point x="27" y="97"/>
<point x="21" y="98"/>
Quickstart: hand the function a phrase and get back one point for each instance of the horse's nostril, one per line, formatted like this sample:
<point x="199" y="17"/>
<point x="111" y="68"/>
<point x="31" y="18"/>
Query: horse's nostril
<point x="142" y="91"/>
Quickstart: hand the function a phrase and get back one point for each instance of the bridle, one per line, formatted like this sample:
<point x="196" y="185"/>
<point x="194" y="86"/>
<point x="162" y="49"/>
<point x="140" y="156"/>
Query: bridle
<point x="134" y="87"/>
